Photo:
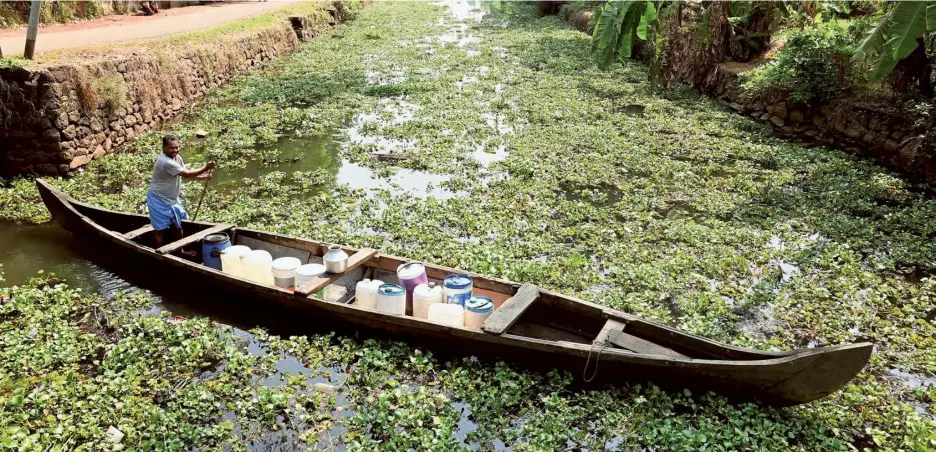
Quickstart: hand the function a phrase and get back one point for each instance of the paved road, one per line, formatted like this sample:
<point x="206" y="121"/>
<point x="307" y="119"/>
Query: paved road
<point x="112" y="29"/>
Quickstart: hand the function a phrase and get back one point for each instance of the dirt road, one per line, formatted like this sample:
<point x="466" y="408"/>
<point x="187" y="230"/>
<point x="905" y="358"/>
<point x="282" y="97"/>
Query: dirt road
<point x="112" y="29"/>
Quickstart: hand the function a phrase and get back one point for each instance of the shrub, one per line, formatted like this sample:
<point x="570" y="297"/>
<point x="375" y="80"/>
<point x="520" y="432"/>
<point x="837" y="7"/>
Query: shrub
<point x="815" y="63"/>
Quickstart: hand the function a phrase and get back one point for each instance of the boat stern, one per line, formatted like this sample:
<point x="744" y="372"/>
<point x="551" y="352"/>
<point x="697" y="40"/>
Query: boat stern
<point x="828" y="372"/>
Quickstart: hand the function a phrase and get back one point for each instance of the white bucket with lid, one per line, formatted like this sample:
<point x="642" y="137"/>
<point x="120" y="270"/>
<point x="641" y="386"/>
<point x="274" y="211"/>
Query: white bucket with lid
<point x="284" y="271"/>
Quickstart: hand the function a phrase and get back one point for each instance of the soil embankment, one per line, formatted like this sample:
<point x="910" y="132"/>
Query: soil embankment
<point x="56" y="117"/>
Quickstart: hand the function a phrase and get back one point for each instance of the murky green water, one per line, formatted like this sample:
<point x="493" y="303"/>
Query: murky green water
<point x="310" y="156"/>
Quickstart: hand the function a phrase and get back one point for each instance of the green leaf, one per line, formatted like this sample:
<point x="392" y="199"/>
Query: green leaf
<point x="905" y="24"/>
<point x="872" y="44"/>
<point x="931" y="17"/>
<point x="627" y="35"/>
<point x="647" y="19"/>
<point x="604" y="27"/>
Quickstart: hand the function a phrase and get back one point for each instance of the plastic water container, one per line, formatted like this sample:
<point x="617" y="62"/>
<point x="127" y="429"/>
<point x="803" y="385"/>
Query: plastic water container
<point x="284" y="271"/>
<point x="365" y="293"/>
<point x="477" y="309"/>
<point x="411" y="275"/>
<point x="391" y="299"/>
<point x="308" y="272"/>
<point x="425" y="295"/>
<point x="258" y="267"/>
<point x="457" y="289"/>
<point x="212" y="246"/>
<point x="232" y="260"/>
<point x="447" y="314"/>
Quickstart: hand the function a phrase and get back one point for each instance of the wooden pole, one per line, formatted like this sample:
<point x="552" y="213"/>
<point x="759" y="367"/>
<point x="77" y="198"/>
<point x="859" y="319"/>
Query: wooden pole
<point x="33" y="29"/>
<point x="202" y="198"/>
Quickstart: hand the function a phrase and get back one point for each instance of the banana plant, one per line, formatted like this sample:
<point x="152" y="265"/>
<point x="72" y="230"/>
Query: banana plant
<point x="620" y="23"/>
<point x="896" y="36"/>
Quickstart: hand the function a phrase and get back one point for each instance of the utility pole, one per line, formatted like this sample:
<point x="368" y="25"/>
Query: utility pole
<point x="33" y="29"/>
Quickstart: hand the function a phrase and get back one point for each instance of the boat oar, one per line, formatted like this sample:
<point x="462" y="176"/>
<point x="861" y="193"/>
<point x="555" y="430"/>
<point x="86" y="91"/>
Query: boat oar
<point x="202" y="198"/>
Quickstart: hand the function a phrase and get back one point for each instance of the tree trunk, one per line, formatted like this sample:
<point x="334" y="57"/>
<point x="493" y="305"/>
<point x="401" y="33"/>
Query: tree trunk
<point x="914" y="70"/>
<point x="547" y="7"/>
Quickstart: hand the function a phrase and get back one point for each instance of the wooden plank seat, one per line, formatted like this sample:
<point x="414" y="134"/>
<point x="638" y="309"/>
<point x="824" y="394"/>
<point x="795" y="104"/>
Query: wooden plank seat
<point x="316" y="284"/>
<point x="613" y="333"/>
<point x="138" y="232"/>
<point x="194" y="238"/>
<point x="505" y="316"/>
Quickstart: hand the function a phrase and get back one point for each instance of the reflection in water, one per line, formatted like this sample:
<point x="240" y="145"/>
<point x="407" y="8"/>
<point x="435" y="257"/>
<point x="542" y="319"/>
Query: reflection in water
<point x="27" y="249"/>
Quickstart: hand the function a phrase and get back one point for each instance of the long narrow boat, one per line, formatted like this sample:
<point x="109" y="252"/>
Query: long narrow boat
<point x="531" y="326"/>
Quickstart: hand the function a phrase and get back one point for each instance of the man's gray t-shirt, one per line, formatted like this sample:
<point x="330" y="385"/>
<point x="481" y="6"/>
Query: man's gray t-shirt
<point x="166" y="183"/>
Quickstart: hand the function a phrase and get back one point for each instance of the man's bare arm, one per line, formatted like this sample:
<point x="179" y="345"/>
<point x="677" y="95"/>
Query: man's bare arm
<point x="193" y="174"/>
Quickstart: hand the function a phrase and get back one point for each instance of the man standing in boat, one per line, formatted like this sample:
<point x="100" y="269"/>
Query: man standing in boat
<point x="162" y="200"/>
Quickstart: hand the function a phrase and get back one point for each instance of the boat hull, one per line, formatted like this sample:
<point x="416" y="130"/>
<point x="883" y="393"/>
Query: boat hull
<point x="779" y="379"/>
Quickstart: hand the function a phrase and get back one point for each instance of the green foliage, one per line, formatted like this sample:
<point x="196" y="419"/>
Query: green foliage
<point x="11" y="62"/>
<point x="895" y="36"/>
<point x="814" y="65"/>
<point x="662" y="204"/>
<point x="618" y="23"/>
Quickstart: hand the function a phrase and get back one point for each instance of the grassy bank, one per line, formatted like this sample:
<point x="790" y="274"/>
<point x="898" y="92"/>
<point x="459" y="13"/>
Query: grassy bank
<point x="548" y="170"/>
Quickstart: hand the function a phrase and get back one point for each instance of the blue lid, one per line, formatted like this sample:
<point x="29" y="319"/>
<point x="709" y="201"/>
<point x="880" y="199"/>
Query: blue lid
<point x="457" y="281"/>
<point x="479" y="303"/>
<point x="390" y="289"/>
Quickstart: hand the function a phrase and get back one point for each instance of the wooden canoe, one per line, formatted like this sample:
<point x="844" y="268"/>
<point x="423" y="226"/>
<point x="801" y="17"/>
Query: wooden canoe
<point x="531" y="326"/>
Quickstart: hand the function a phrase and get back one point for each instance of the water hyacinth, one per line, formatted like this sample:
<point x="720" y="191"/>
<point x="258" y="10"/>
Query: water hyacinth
<point x="679" y="211"/>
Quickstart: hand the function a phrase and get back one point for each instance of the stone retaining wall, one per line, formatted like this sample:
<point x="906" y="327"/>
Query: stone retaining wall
<point x="871" y="127"/>
<point x="55" y="119"/>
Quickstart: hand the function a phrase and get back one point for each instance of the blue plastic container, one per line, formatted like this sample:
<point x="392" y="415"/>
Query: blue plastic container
<point x="212" y="246"/>
<point x="456" y="289"/>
